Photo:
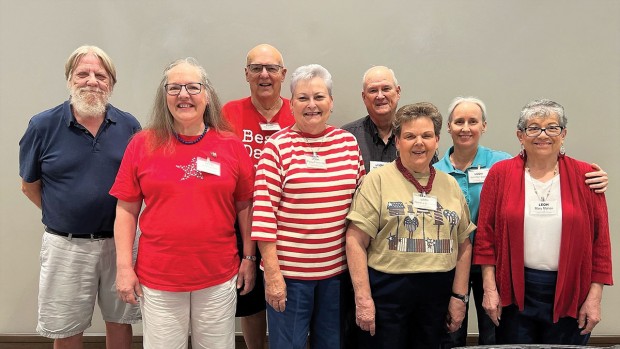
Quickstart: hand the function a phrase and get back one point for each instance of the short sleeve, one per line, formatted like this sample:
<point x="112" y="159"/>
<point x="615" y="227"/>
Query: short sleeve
<point x="365" y="212"/>
<point x="30" y="154"/>
<point x="245" y="184"/>
<point x="126" y="187"/>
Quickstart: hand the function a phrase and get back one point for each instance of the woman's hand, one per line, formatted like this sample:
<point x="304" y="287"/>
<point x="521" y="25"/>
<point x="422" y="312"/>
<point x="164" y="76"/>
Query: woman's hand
<point x="127" y="285"/>
<point x="590" y="312"/>
<point x="275" y="291"/>
<point x="246" y="278"/>
<point x="491" y="305"/>
<point x="456" y="314"/>
<point x="365" y="315"/>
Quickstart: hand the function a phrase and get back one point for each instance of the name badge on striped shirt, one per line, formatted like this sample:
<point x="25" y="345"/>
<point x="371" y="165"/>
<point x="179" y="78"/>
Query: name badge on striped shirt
<point x="315" y="161"/>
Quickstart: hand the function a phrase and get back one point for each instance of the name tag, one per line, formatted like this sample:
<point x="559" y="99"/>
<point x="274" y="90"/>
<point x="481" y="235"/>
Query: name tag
<point x="477" y="175"/>
<point x="425" y="202"/>
<point x="544" y="208"/>
<point x="315" y="161"/>
<point x="376" y="164"/>
<point x="269" y="126"/>
<point x="208" y="166"/>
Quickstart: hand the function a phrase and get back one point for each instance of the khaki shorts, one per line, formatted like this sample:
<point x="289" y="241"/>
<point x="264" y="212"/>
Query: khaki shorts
<point x="75" y="273"/>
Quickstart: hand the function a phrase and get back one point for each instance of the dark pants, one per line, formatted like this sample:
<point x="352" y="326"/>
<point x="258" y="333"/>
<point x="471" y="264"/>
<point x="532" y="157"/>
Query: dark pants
<point x="349" y="329"/>
<point x="534" y="325"/>
<point x="486" y="328"/>
<point x="410" y="309"/>
<point x="254" y="301"/>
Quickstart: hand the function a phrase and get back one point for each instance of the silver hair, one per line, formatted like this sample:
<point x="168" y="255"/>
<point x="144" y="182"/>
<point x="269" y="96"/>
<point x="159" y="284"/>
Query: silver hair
<point x="541" y="108"/>
<point x="309" y="72"/>
<point x="458" y="100"/>
<point x="162" y="121"/>
<point x="84" y="50"/>
<point x="378" y="66"/>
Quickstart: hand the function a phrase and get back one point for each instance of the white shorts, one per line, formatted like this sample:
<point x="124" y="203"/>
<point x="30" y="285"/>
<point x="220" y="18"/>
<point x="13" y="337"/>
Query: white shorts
<point x="209" y="313"/>
<point x="75" y="272"/>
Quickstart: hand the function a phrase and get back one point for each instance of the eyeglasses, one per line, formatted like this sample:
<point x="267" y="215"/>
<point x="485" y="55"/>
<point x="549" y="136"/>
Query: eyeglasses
<point x="193" y="88"/>
<point x="258" y="68"/>
<point x="535" y="131"/>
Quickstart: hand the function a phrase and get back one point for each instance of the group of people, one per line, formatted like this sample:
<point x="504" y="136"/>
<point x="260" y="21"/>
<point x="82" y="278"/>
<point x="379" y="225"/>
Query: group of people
<point x="352" y="237"/>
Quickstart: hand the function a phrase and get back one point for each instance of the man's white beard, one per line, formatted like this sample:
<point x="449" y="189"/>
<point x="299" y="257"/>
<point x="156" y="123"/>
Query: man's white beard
<point x="89" y="102"/>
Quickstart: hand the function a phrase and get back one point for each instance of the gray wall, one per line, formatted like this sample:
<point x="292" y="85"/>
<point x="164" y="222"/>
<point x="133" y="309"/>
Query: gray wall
<point x="505" y="52"/>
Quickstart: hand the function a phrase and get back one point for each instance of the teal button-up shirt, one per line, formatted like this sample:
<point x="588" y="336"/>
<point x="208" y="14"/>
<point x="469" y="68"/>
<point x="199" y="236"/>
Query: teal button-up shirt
<point x="484" y="159"/>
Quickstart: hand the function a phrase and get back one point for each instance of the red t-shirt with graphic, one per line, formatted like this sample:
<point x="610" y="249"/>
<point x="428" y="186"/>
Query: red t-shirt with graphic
<point x="188" y="237"/>
<point x="252" y="127"/>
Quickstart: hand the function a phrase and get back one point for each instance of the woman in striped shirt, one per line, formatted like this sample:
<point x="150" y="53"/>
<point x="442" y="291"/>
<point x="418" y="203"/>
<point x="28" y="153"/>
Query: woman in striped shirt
<point x="305" y="181"/>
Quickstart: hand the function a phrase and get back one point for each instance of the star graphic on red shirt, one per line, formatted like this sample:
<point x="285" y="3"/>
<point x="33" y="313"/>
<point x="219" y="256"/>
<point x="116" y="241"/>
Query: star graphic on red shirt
<point x="190" y="170"/>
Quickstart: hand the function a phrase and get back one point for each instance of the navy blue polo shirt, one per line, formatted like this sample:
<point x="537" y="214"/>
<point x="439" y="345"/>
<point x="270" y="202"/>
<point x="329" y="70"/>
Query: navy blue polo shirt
<point x="76" y="169"/>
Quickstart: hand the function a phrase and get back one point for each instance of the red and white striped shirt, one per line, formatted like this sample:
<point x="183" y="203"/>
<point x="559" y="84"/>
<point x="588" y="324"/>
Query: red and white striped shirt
<point x="301" y="208"/>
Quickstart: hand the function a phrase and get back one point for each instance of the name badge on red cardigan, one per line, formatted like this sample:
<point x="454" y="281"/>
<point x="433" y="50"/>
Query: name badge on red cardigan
<point x="544" y="208"/>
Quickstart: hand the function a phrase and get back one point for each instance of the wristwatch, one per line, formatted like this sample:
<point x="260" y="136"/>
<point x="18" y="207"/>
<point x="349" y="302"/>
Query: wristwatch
<point x="252" y="258"/>
<point x="462" y="297"/>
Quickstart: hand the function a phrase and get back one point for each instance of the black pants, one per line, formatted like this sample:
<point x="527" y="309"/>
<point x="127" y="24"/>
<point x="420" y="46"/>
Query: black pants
<point x="410" y="310"/>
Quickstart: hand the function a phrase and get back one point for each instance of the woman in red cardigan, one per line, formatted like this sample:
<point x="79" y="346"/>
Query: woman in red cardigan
<point x="543" y="238"/>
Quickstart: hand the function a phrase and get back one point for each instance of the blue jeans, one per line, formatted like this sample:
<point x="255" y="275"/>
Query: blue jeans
<point x="534" y="325"/>
<point x="312" y="306"/>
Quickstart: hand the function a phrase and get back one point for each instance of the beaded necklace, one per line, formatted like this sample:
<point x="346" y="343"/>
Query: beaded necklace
<point x="195" y="140"/>
<point x="424" y="189"/>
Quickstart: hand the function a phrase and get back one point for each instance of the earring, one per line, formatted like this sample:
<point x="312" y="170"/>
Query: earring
<point x="522" y="152"/>
<point x="397" y="153"/>
<point x="562" y="149"/>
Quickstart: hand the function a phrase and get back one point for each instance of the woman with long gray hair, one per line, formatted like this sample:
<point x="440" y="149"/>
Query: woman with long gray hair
<point x="195" y="179"/>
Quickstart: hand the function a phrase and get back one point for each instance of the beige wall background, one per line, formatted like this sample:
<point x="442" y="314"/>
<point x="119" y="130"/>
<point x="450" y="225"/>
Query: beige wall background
<point x="505" y="52"/>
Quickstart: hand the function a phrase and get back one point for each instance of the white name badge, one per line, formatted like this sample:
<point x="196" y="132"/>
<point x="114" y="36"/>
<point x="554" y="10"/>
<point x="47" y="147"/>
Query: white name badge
<point x="544" y="208"/>
<point x="269" y="126"/>
<point x="477" y="175"/>
<point x="425" y="202"/>
<point x="315" y="161"/>
<point x="376" y="164"/>
<point x="208" y="166"/>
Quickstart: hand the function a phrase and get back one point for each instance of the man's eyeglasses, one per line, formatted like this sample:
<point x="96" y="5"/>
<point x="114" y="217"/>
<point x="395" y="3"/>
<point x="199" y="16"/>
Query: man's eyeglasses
<point x="258" y="68"/>
<point x="535" y="131"/>
<point x="193" y="88"/>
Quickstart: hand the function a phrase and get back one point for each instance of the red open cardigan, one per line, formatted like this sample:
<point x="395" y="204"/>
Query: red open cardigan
<point x="585" y="252"/>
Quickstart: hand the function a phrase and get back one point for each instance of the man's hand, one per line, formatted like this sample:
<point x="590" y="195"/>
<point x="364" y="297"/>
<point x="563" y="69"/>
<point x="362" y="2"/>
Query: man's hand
<point x="246" y="278"/>
<point x="597" y="179"/>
